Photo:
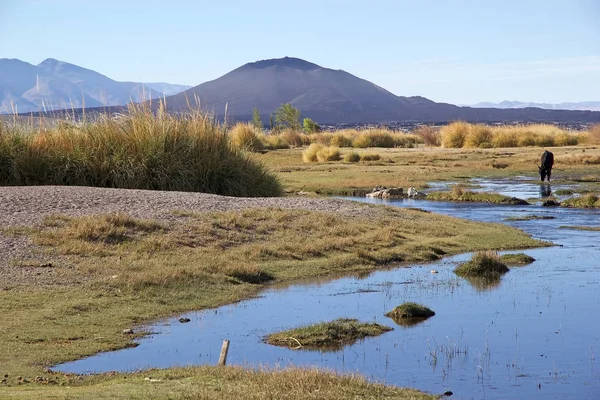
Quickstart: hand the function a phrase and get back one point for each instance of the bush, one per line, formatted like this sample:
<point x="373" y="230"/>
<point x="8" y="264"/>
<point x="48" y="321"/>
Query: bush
<point x="136" y="150"/>
<point x="245" y="136"/>
<point x="454" y="134"/>
<point x="310" y="154"/>
<point x="352" y="157"/>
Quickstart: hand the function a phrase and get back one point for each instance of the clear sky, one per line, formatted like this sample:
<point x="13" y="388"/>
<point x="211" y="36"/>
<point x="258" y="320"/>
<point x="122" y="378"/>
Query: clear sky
<point x="456" y="51"/>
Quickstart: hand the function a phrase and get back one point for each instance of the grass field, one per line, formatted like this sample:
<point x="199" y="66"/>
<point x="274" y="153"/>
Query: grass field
<point x="399" y="167"/>
<point x="116" y="272"/>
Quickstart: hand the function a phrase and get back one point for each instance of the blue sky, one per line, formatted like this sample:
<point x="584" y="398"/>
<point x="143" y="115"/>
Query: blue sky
<point x="460" y="52"/>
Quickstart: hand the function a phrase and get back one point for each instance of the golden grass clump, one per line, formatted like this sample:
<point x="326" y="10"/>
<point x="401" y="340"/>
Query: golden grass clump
<point x="329" y="153"/>
<point x="291" y="137"/>
<point x="429" y="135"/>
<point x="245" y="136"/>
<point x="138" y="149"/>
<point x="341" y="139"/>
<point x="272" y="141"/>
<point x="310" y="154"/>
<point x="478" y="136"/>
<point x="374" y="138"/>
<point x="454" y="134"/>
<point x="593" y="134"/>
<point x="352" y="157"/>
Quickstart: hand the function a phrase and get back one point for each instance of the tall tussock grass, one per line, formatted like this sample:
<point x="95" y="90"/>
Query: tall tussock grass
<point x="138" y="149"/>
<point x="462" y="134"/>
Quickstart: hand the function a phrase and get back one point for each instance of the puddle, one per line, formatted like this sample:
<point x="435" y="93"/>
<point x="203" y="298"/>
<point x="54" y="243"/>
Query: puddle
<point x="532" y="335"/>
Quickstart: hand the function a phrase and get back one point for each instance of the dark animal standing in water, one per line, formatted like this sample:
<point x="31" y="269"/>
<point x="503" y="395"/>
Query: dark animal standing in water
<point x="546" y="167"/>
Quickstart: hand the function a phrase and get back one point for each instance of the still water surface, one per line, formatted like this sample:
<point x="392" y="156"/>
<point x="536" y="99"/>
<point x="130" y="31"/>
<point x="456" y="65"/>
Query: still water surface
<point x="536" y="335"/>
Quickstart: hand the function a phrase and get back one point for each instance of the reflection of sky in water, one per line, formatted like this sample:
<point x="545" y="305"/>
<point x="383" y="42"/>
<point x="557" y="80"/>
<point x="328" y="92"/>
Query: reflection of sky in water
<point x="538" y="327"/>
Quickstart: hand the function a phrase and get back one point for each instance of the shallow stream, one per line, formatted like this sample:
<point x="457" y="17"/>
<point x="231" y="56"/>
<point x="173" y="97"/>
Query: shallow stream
<point x="533" y="336"/>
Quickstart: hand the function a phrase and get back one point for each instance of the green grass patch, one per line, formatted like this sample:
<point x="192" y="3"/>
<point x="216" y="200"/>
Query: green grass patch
<point x="459" y="193"/>
<point x="516" y="259"/>
<point x="483" y="264"/>
<point x="219" y="383"/>
<point x="581" y="228"/>
<point x="589" y="200"/>
<point x="409" y="313"/>
<point x="530" y="218"/>
<point x="115" y="272"/>
<point x="327" y="335"/>
<point x="564" y="192"/>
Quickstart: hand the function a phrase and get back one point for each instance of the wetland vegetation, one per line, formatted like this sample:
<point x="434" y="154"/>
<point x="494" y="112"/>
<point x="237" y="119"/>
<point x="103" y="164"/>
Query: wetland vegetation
<point x="116" y="272"/>
<point x="327" y="335"/>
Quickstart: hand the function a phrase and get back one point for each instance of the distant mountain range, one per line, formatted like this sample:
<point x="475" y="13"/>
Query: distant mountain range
<point x="326" y="95"/>
<point x="335" y="96"/>
<point x="53" y="85"/>
<point x="583" y="105"/>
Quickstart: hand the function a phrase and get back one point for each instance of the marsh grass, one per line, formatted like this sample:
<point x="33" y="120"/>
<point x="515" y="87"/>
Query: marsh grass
<point x="530" y="218"/>
<point x="138" y="149"/>
<point x="581" y="228"/>
<point x="327" y="335"/>
<point x="463" y="134"/>
<point x="409" y="313"/>
<point x="430" y="136"/>
<point x="483" y="264"/>
<point x="589" y="200"/>
<point x="460" y="193"/>
<point x="245" y="137"/>
<point x="516" y="259"/>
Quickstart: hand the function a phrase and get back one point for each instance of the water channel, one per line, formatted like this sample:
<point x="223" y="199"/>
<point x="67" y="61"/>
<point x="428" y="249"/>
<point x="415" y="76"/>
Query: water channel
<point x="534" y="336"/>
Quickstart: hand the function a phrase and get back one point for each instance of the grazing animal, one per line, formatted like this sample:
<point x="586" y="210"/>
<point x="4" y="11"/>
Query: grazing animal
<point x="546" y="167"/>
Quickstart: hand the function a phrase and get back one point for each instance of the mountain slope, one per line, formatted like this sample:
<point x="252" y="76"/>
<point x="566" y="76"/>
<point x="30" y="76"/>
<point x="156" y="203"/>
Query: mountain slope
<point x="55" y="84"/>
<point x="318" y="92"/>
<point x="582" y="105"/>
<point x="335" y="96"/>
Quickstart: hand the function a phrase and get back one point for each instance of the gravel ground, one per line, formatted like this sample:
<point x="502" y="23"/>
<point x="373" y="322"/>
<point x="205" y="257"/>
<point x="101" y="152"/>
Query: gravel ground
<point x="27" y="205"/>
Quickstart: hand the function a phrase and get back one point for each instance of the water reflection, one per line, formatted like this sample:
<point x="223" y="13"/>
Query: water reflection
<point x="484" y="283"/>
<point x="545" y="191"/>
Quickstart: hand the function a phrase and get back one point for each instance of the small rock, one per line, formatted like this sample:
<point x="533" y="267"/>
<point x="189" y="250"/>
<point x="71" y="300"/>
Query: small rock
<point x="184" y="320"/>
<point x="433" y="271"/>
<point x="128" y="331"/>
<point x="448" y="393"/>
